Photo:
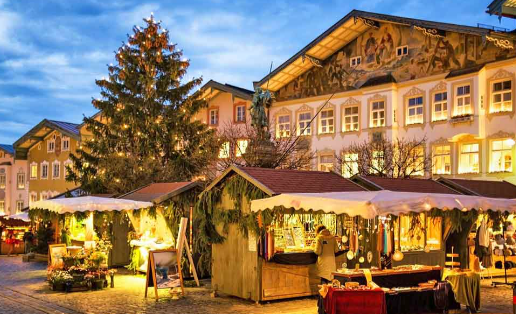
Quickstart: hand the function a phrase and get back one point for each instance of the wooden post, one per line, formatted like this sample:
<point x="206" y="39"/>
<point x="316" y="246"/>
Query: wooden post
<point x="182" y="243"/>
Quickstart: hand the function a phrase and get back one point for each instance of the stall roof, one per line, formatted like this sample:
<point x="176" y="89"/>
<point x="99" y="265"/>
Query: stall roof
<point x="159" y="192"/>
<point x="373" y="183"/>
<point x="278" y="181"/>
<point x="495" y="189"/>
<point x="375" y="203"/>
<point x="88" y="203"/>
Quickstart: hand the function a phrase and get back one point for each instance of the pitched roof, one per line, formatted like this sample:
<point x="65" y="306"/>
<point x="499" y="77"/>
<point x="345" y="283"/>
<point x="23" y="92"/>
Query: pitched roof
<point x="487" y="188"/>
<point x="235" y="90"/>
<point x="278" y="181"/>
<point x="344" y="32"/>
<point x="40" y="131"/>
<point x="373" y="183"/>
<point x="459" y="72"/>
<point x="7" y="148"/>
<point x="159" y="192"/>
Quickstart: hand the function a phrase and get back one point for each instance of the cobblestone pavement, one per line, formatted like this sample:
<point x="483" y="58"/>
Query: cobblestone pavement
<point x="23" y="290"/>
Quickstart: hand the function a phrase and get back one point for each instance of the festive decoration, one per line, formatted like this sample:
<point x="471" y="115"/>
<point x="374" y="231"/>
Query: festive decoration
<point x="146" y="131"/>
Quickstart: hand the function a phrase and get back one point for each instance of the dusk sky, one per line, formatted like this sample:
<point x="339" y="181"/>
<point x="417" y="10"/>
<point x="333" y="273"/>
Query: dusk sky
<point x="51" y="52"/>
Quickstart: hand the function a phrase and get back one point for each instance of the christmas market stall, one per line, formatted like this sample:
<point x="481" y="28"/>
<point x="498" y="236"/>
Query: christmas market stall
<point x="245" y="263"/>
<point x="157" y="228"/>
<point x="376" y="226"/>
<point x="12" y="229"/>
<point x="86" y="225"/>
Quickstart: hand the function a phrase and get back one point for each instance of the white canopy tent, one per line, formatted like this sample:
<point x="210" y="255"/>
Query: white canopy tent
<point x="379" y="203"/>
<point x="20" y="216"/>
<point x="88" y="203"/>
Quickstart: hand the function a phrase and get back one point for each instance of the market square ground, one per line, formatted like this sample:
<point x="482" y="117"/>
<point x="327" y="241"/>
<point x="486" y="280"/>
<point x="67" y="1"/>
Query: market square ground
<point x="23" y="290"/>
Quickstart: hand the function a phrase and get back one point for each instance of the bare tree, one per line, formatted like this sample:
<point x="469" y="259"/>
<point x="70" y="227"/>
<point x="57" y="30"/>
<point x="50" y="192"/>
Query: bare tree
<point x="246" y="145"/>
<point x="399" y="158"/>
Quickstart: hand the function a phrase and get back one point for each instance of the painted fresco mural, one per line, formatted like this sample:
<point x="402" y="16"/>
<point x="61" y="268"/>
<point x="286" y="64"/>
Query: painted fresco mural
<point x="426" y="55"/>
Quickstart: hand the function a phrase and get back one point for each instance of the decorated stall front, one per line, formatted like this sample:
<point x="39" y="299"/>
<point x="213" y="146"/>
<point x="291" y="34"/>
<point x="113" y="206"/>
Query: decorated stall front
<point x="372" y="231"/>
<point x="80" y="259"/>
<point x="12" y="231"/>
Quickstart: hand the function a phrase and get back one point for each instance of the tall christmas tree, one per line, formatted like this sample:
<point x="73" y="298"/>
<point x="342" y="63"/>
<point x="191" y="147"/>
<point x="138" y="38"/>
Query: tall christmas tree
<point x="146" y="131"/>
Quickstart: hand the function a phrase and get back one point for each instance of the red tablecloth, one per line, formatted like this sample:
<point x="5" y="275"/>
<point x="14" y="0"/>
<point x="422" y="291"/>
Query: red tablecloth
<point x="343" y="301"/>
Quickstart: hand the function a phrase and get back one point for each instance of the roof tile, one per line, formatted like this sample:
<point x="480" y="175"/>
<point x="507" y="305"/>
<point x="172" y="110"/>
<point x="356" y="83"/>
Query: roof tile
<point x="154" y="191"/>
<point x="495" y="189"/>
<point x="409" y="185"/>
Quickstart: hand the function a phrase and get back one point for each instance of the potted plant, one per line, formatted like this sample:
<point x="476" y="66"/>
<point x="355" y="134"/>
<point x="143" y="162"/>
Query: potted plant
<point x="98" y="282"/>
<point x="58" y="280"/>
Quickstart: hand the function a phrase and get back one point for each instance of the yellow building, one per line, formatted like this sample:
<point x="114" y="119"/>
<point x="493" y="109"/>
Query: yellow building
<point x="47" y="148"/>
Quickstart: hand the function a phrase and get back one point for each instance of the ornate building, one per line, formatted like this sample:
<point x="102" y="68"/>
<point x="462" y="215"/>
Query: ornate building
<point x="13" y="182"/>
<point x="373" y="75"/>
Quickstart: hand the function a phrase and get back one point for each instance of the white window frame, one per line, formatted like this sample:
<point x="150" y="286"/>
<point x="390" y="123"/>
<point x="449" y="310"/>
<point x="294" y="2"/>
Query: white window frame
<point x="213" y="116"/>
<point x="44" y="165"/>
<point x="469" y="154"/>
<point x="439" y="156"/>
<point x="240" y="114"/>
<point x="324" y="165"/>
<point x="65" y="139"/>
<point x="378" y="161"/>
<point x="224" y="151"/>
<point x="443" y="103"/>
<point x="506" y="150"/>
<point x="51" y="144"/>
<point x="378" y="112"/>
<point x="504" y="105"/>
<point x="283" y="127"/>
<point x="302" y="123"/>
<point x="33" y="197"/>
<point x="348" y="120"/>
<point x="355" y="61"/>
<point x="464" y="99"/>
<point x="32" y="165"/>
<point x="327" y="123"/>
<point x="3" y="181"/>
<point x="44" y="196"/>
<point x="402" y="51"/>
<point x="22" y="181"/>
<point x="58" y="163"/>
<point x="349" y="164"/>
<point x="417" y="108"/>
<point x="19" y="205"/>
<point x="241" y="147"/>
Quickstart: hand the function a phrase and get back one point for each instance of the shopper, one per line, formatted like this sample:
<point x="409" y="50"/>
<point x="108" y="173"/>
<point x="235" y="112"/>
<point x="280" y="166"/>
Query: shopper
<point x="10" y="241"/>
<point x="325" y="247"/>
<point x="28" y="239"/>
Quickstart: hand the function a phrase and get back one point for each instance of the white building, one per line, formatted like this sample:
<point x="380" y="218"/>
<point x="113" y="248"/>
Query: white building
<point x="14" y="184"/>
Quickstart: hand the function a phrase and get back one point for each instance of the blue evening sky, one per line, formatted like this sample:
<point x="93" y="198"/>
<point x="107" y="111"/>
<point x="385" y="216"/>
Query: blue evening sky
<point x="52" y="51"/>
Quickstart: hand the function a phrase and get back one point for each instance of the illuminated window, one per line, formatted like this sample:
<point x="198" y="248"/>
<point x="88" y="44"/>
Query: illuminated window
<point x="44" y="170"/>
<point x="415" y="110"/>
<point x="214" y="116"/>
<point x="326" y="163"/>
<point x="240" y="113"/>
<point x="377" y="162"/>
<point x="349" y="165"/>
<point x="19" y="206"/>
<point x="33" y="171"/>
<point x="303" y="123"/>
<point x="433" y="232"/>
<point x="224" y="150"/>
<point x="65" y="144"/>
<point x="501" y="155"/>
<point x="416" y="166"/>
<point x="33" y="197"/>
<point x="327" y="122"/>
<point x="501" y="100"/>
<point x="283" y="127"/>
<point x="440" y="106"/>
<point x="2" y="207"/>
<point x="377" y="114"/>
<point x="2" y="180"/>
<point x="441" y="159"/>
<point x="415" y="229"/>
<point x="20" y="180"/>
<point x="469" y="158"/>
<point x="241" y="147"/>
<point x="56" y="169"/>
<point x="350" y="119"/>
<point x="463" y="100"/>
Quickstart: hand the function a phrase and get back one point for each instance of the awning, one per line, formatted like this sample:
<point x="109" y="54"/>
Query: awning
<point x="377" y="203"/>
<point x="88" y="203"/>
<point x="20" y="216"/>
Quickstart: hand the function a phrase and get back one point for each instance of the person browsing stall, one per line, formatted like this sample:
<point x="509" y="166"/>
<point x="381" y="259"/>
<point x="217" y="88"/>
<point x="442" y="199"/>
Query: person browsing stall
<point x="325" y="247"/>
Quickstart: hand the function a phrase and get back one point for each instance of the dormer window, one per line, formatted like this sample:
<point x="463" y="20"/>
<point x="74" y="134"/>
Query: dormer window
<point x="402" y="51"/>
<point x="355" y="61"/>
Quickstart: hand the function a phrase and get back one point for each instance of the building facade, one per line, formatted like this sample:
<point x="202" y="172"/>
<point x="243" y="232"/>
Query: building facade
<point x="373" y="75"/>
<point x="13" y="182"/>
<point x="46" y="149"/>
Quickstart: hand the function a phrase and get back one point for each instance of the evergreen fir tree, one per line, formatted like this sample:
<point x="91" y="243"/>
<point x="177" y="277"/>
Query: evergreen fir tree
<point x="146" y="131"/>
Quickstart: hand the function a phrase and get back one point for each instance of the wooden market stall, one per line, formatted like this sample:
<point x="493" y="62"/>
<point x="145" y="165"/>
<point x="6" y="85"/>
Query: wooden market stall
<point x="240" y="266"/>
<point x="13" y="228"/>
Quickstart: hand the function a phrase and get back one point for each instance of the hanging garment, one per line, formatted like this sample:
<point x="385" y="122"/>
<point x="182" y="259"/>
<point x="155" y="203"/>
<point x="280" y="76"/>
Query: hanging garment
<point x="379" y="241"/>
<point x="483" y="238"/>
